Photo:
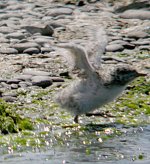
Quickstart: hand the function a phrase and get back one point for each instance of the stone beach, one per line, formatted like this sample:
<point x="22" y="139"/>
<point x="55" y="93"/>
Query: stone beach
<point x="30" y="30"/>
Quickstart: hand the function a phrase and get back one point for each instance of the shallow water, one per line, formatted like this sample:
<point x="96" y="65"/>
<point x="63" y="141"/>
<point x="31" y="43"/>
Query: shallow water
<point x="131" y="147"/>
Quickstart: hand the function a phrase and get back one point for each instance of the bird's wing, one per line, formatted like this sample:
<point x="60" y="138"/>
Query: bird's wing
<point x="77" y="56"/>
<point x="96" y="46"/>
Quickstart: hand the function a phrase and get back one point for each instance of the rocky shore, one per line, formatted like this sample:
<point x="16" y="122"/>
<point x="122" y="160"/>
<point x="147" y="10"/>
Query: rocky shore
<point x="30" y="29"/>
<point x="33" y="69"/>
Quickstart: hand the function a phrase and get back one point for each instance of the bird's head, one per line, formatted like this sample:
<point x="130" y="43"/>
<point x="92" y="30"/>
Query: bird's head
<point x="124" y="74"/>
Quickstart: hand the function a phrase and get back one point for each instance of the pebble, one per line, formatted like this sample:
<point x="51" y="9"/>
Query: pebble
<point x="41" y="81"/>
<point x="23" y="46"/>
<point x="8" y="50"/>
<point x="114" y="47"/>
<point x="47" y="30"/>
<point x="31" y="51"/>
<point x="53" y="12"/>
<point x="35" y="73"/>
<point x="136" y="14"/>
<point x="137" y="34"/>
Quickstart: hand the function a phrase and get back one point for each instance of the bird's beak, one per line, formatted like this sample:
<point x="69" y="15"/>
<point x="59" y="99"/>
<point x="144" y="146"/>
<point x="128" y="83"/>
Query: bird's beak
<point x="142" y="74"/>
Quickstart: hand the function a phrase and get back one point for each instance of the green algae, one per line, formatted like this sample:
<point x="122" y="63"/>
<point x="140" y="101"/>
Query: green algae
<point x="10" y="121"/>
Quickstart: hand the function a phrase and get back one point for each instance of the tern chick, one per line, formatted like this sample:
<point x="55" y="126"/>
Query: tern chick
<point x="92" y="89"/>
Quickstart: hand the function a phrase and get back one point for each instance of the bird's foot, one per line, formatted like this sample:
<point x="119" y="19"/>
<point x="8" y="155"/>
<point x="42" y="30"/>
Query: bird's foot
<point x="76" y="119"/>
<point x="105" y="114"/>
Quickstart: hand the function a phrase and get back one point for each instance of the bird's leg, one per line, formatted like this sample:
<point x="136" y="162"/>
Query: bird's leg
<point x="102" y="114"/>
<point x="76" y="119"/>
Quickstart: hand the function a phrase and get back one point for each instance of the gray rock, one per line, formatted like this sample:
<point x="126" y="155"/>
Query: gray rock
<point x="54" y="12"/>
<point x="13" y="81"/>
<point x="114" y="47"/>
<point x="141" y="42"/>
<point x="125" y="44"/>
<point x="46" y="49"/>
<point x="41" y="81"/>
<point x="23" y="46"/>
<point x="24" y="77"/>
<point x="15" y="35"/>
<point x="31" y="51"/>
<point x="136" y="14"/>
<point x="145" y="47"/>
<point x="6" y="30"/>
<point x="47" y="30"/>
<point x="8" y="50"/>
<point x="25" y="84"/>
<point x="3" y="40"/>
<point x="57" y="79"/>
<point x="137" y="34"/>
<point x="9" y="98"/>
<point x="35" y="73"/>
<point x="14" y="86"/>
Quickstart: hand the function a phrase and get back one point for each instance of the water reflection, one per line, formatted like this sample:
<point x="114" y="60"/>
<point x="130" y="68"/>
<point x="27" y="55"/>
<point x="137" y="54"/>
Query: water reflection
<point x="131" y="146"/>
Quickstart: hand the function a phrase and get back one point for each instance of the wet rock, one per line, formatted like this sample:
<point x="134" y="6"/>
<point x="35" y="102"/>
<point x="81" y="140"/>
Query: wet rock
<point x="23" y="46"/>
<point x="8" y="50"/>
<point x="31" y="51"/>
<point x="136" y="14"/>
<point x="41" y="81"/>
<point x="59" y="11"/>
<point x="114" y="47"/>
<point x="35" y="73"/>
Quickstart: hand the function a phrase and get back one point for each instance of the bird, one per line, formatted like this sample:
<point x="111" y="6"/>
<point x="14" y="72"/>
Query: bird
<point x="92" y="89"/>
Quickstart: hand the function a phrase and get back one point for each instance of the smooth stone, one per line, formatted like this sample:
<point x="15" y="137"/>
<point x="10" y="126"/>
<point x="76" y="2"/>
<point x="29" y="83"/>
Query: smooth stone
<point x="3" y="80"/>
<point x="23" y="46"/>
<point x="6" y="30"/>
<point x="146" y="47"/>
<point x="24" y="77"/>
<point x="137" y="34"/>
<point x="54" y="12"/>
<point x="13" y="81"/>
<point x="9" y="98"/>
<point x="12" y="94"/>
<point x="14" y="86"/>
<point x="141" y="42"/>
<point x="8" y="50"/>
<point x="136" y="14"/>
<point x="3" y="40"/>
<point x="46" y="50"/>
<point x="57" y="79"/>
<point x="47" y="30"/>
<point x="35" y="73"/>
<point x="31" y="51"/>
<point x="25" y="84"/>
<point x="114" y="47"/>
<point x="15" y="35"/>
<point x="41" y="81"/>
